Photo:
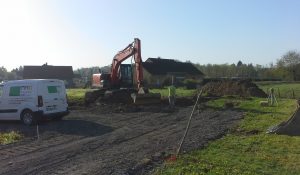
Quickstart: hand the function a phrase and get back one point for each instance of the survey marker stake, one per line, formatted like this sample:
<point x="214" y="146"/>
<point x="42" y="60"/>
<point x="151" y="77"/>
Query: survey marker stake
<point x="37" y="132"/>
<point x="188" y="125"/>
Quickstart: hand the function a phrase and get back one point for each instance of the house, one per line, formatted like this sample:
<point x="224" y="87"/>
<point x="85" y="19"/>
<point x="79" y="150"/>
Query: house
<point x="159" y="72"/>
<point x="50" y="72"/>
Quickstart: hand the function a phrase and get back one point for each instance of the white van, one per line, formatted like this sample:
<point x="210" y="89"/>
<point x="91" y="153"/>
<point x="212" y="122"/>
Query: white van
<point x="32" y="100"/>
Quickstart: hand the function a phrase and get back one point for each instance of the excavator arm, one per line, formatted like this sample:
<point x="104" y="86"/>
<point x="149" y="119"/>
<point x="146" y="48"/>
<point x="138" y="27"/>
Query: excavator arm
<point x="133" y="49"/>
<point x="113" y="79"/>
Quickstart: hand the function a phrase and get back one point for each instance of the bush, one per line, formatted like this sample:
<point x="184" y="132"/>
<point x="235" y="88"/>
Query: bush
<point x="10" y="137"/>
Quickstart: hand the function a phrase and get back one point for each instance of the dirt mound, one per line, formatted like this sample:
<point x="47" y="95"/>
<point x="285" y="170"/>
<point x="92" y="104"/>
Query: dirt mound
<point x="105" y="96"/>
<point x="92" y="96"/>
<point x="243" y="88"/>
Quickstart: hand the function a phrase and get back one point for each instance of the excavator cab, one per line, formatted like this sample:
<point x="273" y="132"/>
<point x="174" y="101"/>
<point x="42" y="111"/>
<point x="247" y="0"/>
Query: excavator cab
<point x="126" y="76"/>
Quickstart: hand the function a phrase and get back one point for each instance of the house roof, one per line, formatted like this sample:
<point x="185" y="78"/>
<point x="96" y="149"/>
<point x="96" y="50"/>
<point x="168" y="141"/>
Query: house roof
<point x="158" y="66"/>
<point x="48" y="72"/>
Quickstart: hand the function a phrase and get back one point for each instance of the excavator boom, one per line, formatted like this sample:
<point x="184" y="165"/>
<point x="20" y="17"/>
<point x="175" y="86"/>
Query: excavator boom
<point x="133" y="49"/>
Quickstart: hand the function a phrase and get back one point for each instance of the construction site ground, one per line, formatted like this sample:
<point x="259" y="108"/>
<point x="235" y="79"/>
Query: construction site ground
<point x="99" y="140"/>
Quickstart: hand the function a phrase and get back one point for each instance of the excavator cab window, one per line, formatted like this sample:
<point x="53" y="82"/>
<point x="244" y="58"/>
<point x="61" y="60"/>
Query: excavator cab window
<point x="126" y="76"/>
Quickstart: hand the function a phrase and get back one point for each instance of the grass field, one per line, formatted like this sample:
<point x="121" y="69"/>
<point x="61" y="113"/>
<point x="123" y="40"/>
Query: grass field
<point x="76" y="96"/>
<point x="281" y="89"/>
<point x="246" y="149"/>
<point x="10" y="137"/>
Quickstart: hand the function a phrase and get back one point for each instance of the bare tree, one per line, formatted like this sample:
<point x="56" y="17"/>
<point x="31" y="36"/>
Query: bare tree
<point x="290" y="61"/>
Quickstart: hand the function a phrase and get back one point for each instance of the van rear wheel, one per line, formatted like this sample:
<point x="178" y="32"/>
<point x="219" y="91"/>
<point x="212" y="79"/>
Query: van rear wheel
<point x="27" y="117"/>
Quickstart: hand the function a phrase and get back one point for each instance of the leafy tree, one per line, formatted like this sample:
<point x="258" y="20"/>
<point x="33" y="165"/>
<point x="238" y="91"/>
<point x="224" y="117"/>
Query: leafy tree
<point x="239" y="64"/>
<point x="3" y="73"/>
<point x="18" y="72"/>
<point x="11" y="76"/>
<point x="242" y="71"/>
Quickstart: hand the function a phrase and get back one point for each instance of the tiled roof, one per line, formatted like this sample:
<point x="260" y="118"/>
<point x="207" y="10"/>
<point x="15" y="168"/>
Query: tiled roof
<point x="48" y="72"/>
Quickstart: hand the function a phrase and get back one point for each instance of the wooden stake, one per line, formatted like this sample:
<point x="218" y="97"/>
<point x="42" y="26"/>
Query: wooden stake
<point x="37" y="132"/>
<point x="188" y="125"/>
<point x="293" y="93"/>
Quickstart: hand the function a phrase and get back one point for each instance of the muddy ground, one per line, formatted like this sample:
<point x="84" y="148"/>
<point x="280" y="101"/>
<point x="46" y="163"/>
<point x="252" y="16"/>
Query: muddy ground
<point x="91" y="141"/>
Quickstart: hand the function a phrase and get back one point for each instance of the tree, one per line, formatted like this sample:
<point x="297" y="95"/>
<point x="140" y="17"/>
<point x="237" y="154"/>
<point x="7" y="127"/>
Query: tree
<point x="3" y="73"/>
<point x="289" y="61"/>
<point x="18" y="72"/>
<point x="239" y="64"/>
<point x="11" y="76"/>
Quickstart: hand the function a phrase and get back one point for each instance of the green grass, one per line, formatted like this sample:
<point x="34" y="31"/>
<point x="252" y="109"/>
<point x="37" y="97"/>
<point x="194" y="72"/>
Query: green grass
<point x="240" y="152"/>
<point x="76" y="96"/>
<point x="281" y="89"/>
<point x="10" y="137"/>
<point x="180" y="92"/>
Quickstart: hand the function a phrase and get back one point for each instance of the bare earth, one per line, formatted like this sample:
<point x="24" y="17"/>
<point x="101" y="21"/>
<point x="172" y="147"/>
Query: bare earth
<point x="119" y="143"/>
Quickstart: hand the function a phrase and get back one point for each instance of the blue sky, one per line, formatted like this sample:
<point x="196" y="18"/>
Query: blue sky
<point x="85" y="33"/>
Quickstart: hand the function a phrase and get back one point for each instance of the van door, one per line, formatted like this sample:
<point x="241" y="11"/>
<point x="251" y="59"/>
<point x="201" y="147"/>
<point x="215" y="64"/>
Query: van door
<point x="55" y="97"/>
<point x="8" y="105"/>
<point x="2" y="105"/>
<point x="17" y="97"/>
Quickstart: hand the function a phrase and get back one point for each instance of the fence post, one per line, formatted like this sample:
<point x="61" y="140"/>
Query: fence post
<point x="293" y="93"/>
<point x="278" y="93"/>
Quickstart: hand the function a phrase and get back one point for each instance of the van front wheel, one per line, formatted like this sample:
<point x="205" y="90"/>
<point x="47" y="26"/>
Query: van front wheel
<point x="27" y="117"/>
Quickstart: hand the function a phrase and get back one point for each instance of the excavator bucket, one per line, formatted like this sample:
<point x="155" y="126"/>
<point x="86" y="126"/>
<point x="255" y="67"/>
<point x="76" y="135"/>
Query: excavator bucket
<point x="147" y="98"/>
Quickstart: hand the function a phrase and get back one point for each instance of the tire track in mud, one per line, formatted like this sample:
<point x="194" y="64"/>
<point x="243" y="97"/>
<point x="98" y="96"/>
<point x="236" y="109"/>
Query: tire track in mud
<point x="32" y="146"/>
<point x="85" y="149"/>
<point x="119" y="170"/>
<point x="133" y="138"/>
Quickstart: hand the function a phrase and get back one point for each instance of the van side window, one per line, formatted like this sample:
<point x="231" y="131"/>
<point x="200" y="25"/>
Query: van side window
<point x="14" y="91"/>
<point x="20" y="91"/>
<point x="54" y="89"/>
<point x="1" y="90"/>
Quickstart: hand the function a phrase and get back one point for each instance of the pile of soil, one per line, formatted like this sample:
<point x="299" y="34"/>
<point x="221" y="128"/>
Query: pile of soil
<point x="243" y="88"/>
<point x="105" y="107"/>
<point x="121" y="101"/>
<point x="103" y="96"/>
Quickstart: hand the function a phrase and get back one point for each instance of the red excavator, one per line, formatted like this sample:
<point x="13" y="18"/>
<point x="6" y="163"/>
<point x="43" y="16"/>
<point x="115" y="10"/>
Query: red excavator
<point x="121" y="74"/>
<point x="119" y="82"/>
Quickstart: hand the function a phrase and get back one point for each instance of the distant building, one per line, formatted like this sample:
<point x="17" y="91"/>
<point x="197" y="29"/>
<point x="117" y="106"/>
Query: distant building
<point x="158" y="72"/>
<point x="50" y="72"/>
